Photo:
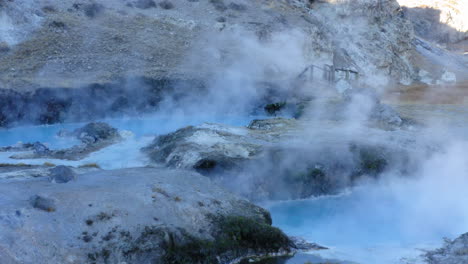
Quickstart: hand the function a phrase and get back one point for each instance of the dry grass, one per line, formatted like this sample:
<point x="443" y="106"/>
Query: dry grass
<point x="90" y="165"/>
<point x="3" y="165"/>
<point x="48" y="164"/>
<point x="160" y="191"/>
<point x="426" y="94"/>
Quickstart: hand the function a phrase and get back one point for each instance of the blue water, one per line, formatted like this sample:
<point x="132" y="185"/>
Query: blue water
<point x="139" y="126"/>
<point x="124" y="154"/>
<point x="377" y="223"/>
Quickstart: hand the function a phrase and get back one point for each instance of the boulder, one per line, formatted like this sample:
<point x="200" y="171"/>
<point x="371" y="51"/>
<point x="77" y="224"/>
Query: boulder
<point x="43" y="203"/>
<point x="96" y="132"/>
<point x="62" y="174"/>
<point x="203" y="147"/>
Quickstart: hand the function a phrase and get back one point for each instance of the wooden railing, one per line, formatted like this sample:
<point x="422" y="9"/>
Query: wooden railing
<point x="329" y="73"/>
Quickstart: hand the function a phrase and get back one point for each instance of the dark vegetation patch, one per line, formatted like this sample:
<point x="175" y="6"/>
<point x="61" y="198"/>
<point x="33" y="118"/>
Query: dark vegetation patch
<point x="77" y="6"/>
<point x="93" y="10"/>
<point x="49" y="9"/>
<point x="221" y="19"/>
<point x="90" y="165"/>
<point x="20" y="165"/>
<point x="205" y="164"/>
<point x="102" y="216"/>
<point x="219" y="5"/>
<point x="145" y="4"/>
<point x="274" y="108"/>
<point x="4" y="47"/>
<point x="166" y="5"/>
<point x="371" y="160"/>
<point x="161" y="191"/>
<point x="312" y="181"/>
<point x="217" y="164"/>
<point x="87" y="238"/>
<point x="237" y="7"/>
<point x="235" y="236"/>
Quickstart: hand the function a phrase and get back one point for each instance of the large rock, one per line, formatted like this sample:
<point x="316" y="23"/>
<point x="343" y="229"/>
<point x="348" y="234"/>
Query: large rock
<point x="253" y="161"/>
<point x="96" y="132"/>
<point x="62" y="174"/>
<point x="208" y="146"/>
<point x="141" y="215"/>
<point x="453" y="252"/>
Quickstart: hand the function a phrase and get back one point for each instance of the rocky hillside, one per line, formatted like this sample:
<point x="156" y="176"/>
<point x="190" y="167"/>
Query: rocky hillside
<point x="444" y="21"/>
<point x="75" y="43"/>
<point x="218" y="50"/>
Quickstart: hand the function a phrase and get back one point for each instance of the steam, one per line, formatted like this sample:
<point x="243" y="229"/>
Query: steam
<point x="424" y="185"/>
<point x="246" y="69"/>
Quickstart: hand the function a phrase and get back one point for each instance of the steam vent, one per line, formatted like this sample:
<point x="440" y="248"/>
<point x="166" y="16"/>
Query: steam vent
<point x="233" y="131"/>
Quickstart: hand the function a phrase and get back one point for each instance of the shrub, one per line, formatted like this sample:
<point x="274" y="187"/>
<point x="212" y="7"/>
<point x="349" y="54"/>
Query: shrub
<point x="236" y="235"/>
<point x="145" y="4"/>
<point x="237" y="7"/>
<point x="219" y="5"/>
<point x="92" y="10"/>
<point x="166" y="5"/>
<point x="272" y="109"/>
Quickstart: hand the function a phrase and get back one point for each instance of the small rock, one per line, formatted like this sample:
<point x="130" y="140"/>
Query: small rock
<point x="43" y="203"/>
<point x="62" y="174"/>
<point x="40" y="149"/>
<point x="95" y="132"/>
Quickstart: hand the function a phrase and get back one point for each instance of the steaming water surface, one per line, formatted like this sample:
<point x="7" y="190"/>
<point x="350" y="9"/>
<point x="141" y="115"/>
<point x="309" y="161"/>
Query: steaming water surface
<point x="357" y="226"/>
<point x="138" y="133"/>
<point x="383" y="222"/>
<point x="395" y="219"/>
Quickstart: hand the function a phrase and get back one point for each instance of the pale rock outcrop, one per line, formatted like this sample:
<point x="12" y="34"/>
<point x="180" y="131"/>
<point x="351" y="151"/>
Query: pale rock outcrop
<point x="140" y="215"/>
<point x="454" y="252"/>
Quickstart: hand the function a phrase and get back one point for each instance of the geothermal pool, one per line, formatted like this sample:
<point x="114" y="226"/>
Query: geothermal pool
<point x="137" y="133"/>
<point x="387" y="222"/>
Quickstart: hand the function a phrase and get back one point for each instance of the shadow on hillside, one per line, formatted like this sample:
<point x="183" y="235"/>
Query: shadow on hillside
<point x="427" y="25"/>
